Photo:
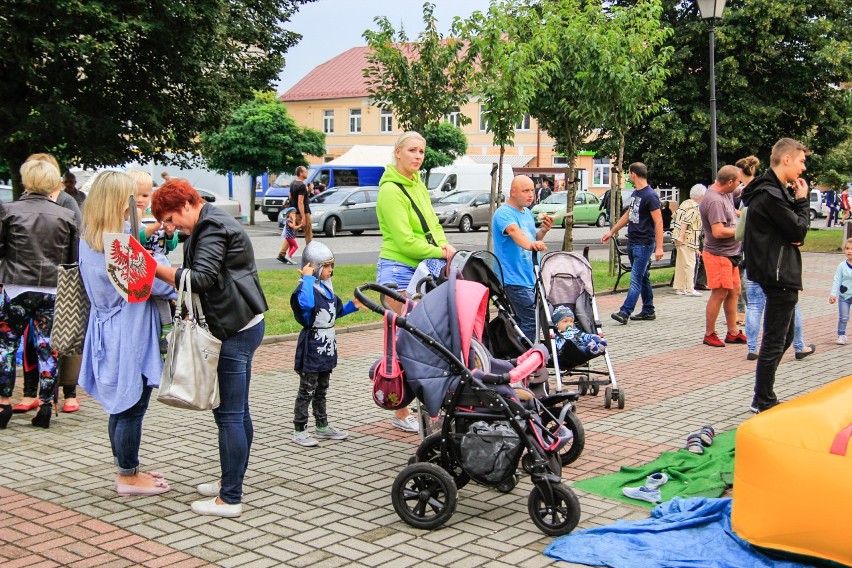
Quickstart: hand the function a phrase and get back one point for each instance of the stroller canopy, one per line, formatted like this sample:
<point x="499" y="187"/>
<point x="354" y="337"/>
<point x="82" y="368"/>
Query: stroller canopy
<point x="565" y="276"/>
<point x="451" y="315"/>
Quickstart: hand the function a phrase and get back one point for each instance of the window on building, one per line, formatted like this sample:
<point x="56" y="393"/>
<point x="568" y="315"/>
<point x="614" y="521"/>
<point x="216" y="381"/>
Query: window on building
<point x="354" y="120"/>
<point x="524" y="124"/>
<point x="386" y="121"/>
<point x="560" y="161"/>
<point x="483" y="122"/>
<point x="454" y="117"/>
<point x="601" y="171"/>
<point x="328" y="121"/>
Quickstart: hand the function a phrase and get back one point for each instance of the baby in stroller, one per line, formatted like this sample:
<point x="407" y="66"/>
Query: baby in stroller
<point x="588" y="344"/>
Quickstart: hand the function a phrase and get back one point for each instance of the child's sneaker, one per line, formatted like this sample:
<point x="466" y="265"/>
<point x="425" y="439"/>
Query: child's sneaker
<point x="304" y="439"/>
<point x="643" y="494"/>
<point x="655" y="480"/>
<point x="409" y="423"/>
<point x="329" y="433"/>
<point x="841" y="340"/>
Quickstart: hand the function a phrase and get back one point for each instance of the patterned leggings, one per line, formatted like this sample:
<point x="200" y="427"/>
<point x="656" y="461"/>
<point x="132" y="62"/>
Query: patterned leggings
<point x="15" y="315"/>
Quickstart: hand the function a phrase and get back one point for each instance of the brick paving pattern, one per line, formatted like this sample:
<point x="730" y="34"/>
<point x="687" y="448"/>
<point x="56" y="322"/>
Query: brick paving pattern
<point x="330" y="505"/>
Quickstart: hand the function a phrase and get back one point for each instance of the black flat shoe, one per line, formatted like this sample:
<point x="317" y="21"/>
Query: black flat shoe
<point x="5" y="415"/>
<point x="644" y="317"/>
<point x="803" y="354"/>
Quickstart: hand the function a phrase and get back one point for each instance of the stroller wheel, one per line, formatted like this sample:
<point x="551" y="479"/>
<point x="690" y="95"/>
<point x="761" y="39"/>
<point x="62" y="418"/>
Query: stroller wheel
<point x="526" y="463"/>
<point x="608" y="397"/>
<point x="569" y="453"/>
<point x="558" y="518"/>
<point x="429" y="451"/>
<point x="594" y="389"/>
<point x="620" y="398"/>
<point x="424" y="496"/>
<point x="509" y="484"/>
<point x="581" y="385"/>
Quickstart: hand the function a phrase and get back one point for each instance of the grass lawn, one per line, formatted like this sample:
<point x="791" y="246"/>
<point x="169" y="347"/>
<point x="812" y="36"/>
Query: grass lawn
<point x="279" y="284"/>
<point x="823" y="240"/>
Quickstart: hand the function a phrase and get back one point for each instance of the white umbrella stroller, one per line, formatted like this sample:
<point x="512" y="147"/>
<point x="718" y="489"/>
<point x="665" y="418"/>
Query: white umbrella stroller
<point x="565" y="279"/>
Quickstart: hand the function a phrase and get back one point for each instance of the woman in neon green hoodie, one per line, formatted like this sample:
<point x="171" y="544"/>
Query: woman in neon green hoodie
<point x="404" y="241"/>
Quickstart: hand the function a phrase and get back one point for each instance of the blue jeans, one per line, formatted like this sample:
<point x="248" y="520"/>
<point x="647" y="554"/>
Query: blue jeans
<point x="232" y="417"/>
<point x="640" y="279"/>
<point x="843" y="309"/>
<point x="523" y="302"/>
<point x="754" y="317"/>
<point x="125" y="433"/>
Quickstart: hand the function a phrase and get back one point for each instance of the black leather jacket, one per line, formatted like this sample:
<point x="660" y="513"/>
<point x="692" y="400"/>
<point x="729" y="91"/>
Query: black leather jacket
<point x="775" y="220"/>
<point x="36" y="236"/>
<point x="224" y="273"/>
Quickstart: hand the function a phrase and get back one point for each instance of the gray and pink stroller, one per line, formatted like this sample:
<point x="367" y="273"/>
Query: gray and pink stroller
<point x="488" y="419"/>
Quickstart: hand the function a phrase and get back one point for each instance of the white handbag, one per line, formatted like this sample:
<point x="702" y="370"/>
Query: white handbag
<point x="190" y="378"/>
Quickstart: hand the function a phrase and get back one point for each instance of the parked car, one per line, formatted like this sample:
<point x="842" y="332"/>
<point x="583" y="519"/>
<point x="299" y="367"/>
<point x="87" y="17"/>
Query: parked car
<point x="466" y="209"/>
<point x="350" y="209"/>
<point x="5" y="193"/>
<point x="229" y="206"/>
<point x="817" y="205"/>
<point x="586" y="209"/>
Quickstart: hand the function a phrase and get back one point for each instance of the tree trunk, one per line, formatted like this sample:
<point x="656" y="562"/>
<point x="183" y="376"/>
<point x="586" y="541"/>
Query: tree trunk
<point x="571" y="189"/>
<point x="496" y="194"/>
<point x="615" y="203"/>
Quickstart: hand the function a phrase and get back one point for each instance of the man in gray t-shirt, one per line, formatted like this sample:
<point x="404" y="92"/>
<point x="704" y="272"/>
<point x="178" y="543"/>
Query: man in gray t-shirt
<point x="721" y="256"/>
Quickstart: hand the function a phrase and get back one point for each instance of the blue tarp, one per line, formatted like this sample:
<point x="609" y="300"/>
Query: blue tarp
<point x="694" y="533"/>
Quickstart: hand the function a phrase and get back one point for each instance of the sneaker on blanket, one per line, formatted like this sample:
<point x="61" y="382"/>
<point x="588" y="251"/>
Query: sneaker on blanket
<point x="643" y="494"/>
<point x="655" y="480"/>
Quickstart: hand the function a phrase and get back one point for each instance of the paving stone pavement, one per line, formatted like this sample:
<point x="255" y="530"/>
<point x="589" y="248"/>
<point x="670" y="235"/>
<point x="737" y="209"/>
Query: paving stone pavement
<point x="330" y="505"/>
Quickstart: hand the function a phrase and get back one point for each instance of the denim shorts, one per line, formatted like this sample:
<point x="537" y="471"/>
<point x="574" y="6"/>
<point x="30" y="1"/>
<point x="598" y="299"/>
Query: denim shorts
<point x="391" y="271"/>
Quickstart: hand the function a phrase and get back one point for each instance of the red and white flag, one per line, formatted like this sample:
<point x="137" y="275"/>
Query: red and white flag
<point x="130" y="267"/>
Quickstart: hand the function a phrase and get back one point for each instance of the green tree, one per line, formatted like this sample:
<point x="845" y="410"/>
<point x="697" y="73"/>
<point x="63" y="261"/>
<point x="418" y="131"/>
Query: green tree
<point x="563" y="103"/>
<point x="100" y="83"/>
<point x="419" y="81"/>
<point x="633" y="67"/>
<point x="505" y="74"/>
<point x="260" y="137"/>
<point x="778" y="68"/>
<point x="444" y="144"/>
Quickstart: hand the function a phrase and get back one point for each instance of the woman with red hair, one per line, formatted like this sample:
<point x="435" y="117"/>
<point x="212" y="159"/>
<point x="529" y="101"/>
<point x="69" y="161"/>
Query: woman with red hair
<point x="223" y="273"/>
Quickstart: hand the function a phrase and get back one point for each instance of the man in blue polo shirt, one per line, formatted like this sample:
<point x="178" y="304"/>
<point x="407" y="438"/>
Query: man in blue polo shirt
<point x="515" y="238"/>
<point x="644" y="239"/>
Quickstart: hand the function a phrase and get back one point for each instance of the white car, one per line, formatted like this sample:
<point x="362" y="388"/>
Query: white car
<point x="229" y="206"/>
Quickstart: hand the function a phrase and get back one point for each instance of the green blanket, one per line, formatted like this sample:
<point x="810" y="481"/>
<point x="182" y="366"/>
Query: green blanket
<point x="690" y="475"/>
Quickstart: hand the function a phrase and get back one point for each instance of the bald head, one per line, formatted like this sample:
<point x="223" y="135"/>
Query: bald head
<point x="521" y="192"/>
<point x="728" y="179"/>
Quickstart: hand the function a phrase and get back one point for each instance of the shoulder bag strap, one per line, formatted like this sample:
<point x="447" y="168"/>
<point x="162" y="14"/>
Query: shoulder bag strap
<point x="426" y="231"/>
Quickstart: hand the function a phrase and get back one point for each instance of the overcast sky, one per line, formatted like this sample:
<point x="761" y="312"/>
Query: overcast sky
<point x="330" y="27"/>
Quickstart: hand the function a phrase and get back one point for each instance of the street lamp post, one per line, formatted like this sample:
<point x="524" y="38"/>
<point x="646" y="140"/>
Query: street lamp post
<point x="711" y="11"/>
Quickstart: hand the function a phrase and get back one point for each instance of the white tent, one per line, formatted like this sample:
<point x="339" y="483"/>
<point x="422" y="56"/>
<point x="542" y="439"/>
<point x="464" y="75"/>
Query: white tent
<point x="365" y="155"/>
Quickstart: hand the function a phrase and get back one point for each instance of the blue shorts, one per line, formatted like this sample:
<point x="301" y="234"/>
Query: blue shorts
<point x="393" y="272"/>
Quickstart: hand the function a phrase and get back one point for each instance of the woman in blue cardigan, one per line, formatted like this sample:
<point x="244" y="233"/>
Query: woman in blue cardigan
<point x="121" y="354"/>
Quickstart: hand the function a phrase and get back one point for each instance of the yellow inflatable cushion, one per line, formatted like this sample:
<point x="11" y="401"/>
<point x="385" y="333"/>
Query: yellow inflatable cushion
<point x="793" y="476"/>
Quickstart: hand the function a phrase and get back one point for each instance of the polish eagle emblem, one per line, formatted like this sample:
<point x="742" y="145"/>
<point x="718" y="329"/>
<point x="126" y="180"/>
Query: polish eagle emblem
<point x="130" y="267"/>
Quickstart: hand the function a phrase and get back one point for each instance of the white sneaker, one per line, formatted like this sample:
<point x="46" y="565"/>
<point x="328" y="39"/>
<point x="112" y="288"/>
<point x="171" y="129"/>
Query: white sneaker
<point x="304" y="439"/>
<point x="841" y="340"/>
<point x="409" y="424"/>
<point x="680" y="292"/>
<point x="693" y="293"/>
<point x="329" y="433"/>
<point x="209" y="489"/>
<point x="211" y="507"/>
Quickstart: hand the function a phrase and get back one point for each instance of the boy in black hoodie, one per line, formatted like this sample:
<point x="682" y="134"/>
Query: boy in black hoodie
<point x="776" y="225"/>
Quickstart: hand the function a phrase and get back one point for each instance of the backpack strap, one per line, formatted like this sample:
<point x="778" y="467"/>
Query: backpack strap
<point x="423" y="225"/>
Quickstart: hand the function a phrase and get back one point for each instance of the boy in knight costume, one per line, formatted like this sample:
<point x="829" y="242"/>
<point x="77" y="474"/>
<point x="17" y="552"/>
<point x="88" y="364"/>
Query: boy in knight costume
<point x="316" y="308"/>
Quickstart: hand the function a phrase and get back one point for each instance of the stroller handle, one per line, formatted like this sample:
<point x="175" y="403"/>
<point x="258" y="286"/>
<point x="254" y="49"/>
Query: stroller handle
<point x="383" y="290"/>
